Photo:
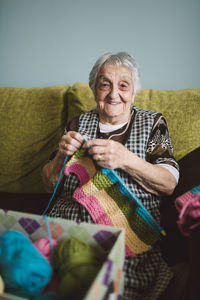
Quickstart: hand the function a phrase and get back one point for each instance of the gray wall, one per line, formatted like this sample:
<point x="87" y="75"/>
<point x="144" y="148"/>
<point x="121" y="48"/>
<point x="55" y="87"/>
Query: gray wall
<point x="47" y="42"/>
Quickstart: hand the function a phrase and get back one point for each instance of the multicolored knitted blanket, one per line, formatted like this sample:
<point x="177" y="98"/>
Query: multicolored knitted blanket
<point x="110" y="202"/>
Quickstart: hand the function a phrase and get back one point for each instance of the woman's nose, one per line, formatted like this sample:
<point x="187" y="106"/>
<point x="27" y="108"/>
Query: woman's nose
<point x="113" y="92"/>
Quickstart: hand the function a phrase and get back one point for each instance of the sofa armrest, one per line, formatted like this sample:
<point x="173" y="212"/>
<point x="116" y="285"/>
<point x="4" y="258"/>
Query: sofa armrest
<point x="29" y="203"/>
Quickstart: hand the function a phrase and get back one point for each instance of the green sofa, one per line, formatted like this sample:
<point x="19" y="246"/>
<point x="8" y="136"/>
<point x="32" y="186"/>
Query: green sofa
<point x="33" y="120"/>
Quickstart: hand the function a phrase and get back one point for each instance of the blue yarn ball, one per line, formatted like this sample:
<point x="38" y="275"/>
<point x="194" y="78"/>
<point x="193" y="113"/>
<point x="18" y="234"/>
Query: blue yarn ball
<point x="23" y="268"/>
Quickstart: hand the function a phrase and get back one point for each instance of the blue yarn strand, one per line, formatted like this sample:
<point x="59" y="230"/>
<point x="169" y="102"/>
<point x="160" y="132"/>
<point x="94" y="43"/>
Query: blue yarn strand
<point x="195" y="190"/>
<point x="50" y="238"/>
<point x="55" y="189"/>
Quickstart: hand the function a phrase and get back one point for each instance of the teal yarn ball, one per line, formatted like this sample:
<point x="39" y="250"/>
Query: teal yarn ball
<point x="24" y="269"/>
<point x="77" y="264"/>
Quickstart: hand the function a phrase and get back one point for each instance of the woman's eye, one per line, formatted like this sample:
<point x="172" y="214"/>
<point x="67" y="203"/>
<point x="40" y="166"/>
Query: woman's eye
<point x="104" y="85"/>
<point x="123" y="86"/>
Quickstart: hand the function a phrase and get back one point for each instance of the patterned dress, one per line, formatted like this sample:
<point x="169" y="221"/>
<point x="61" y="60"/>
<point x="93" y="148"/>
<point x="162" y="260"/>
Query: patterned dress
<point x="146" y="275"/>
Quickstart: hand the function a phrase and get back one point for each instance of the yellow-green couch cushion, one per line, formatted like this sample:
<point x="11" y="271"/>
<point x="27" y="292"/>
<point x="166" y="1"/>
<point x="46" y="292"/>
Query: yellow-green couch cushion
<point x="32" y="120"/>
<point x="79" y="99"/>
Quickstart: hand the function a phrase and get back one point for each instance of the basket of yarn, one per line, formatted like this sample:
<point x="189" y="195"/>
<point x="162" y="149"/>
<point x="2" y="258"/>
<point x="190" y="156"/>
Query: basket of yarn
<point x="24" y="270"/>
<point x="77" y="264"/>
<point x="56" y="259"/>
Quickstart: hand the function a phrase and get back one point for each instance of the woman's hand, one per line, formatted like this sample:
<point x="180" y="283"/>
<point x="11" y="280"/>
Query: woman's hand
<point x="107" y="153"/>
<point x="112" y="155"/>
<point x="69" y="143"/>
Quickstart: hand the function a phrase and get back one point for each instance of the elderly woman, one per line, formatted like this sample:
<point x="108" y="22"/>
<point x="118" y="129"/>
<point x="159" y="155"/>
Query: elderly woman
<point x="134" y="142"/>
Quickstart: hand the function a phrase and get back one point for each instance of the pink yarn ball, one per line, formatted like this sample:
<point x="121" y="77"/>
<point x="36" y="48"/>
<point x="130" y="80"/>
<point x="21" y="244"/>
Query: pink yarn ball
<point x="44" y="246"/>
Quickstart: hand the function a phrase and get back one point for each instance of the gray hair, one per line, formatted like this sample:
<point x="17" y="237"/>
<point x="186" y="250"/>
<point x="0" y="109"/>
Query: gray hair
<point x="118" y="59"/>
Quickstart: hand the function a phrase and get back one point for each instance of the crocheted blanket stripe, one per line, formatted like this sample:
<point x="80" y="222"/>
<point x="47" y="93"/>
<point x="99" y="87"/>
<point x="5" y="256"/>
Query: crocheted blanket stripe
<point x="107" y="205"/>
<point x="100" y="212"/>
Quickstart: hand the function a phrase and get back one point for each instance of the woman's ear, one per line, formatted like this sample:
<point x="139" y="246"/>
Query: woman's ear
<point x="95" y="94"/>
<point x="133" y="99"/>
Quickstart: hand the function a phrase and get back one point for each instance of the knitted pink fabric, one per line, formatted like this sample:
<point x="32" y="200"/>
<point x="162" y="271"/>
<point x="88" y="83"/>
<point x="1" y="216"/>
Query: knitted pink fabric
<point x="91" y="203"/>
<point x="188" y="206"/>
<point x="109" y="203"/>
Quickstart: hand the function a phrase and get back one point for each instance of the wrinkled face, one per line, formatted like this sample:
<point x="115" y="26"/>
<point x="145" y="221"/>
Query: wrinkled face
<point x="114" y="94"/>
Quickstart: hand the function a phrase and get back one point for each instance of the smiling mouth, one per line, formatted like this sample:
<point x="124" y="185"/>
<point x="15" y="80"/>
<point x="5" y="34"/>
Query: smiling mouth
<point x="113" y="102"/>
